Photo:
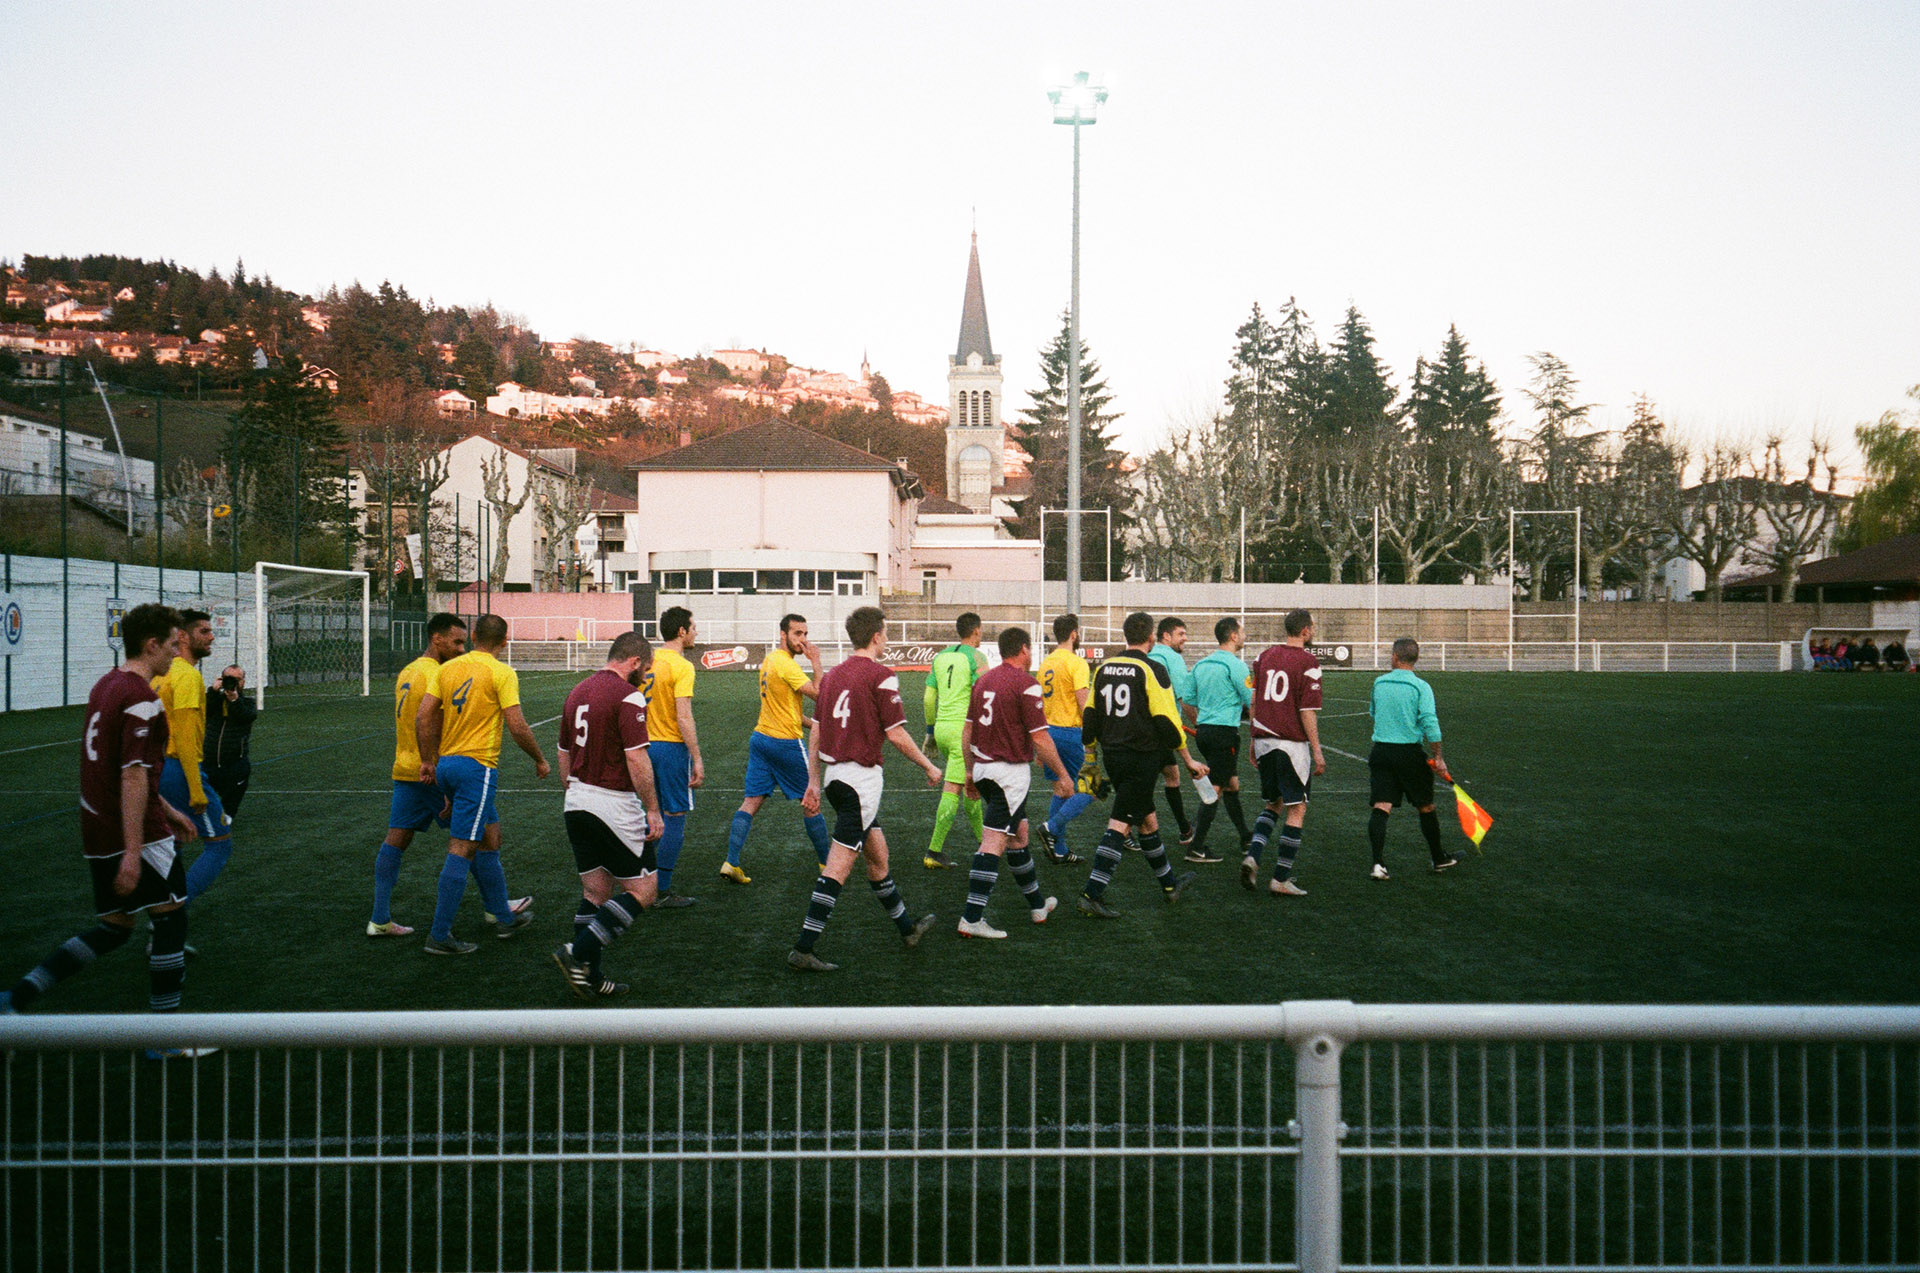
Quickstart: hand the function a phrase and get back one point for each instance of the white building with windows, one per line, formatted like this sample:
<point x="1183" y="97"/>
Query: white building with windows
<point x="774" y="508"/>
<point x="97" y="475"/>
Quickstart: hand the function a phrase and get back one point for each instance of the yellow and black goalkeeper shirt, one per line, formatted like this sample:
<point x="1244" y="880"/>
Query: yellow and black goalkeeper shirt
<point x="1132" y="707"/>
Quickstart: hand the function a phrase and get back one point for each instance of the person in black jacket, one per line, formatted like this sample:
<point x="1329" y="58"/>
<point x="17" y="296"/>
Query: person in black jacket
<point x="230" y="716"/>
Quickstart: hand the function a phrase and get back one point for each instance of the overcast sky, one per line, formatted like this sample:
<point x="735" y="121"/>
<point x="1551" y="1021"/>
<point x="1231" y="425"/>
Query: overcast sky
<point x="1715" y="204"/>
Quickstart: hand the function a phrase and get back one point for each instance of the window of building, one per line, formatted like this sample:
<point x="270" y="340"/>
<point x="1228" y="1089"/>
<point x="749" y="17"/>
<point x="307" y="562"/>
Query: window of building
<point x="736" y="581"/>
<point x="699" y="581"/>
<point x="849" y="583"/>
<point x="776" y="581"/>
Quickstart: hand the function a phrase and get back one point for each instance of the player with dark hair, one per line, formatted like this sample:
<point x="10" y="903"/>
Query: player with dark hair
<point x="1064" y="681"/>
<point x="675" y="749"/>
<point x="775" y="755"/>
<point x="1222" y="694"/>
<point x="415" y="804"/>
<point x="1132" y="715"/>
<point x="183" y="783"/>
<point x="1286" y="748"/>
<point x="949" y="689"/>
<point x="860" y="709"/>
<point x="1006" y="725"/>
<point x="612" y="810"/>
<point x="128" y="831"/>
<point x="1404" y="718"/>
<point x="458" y="730"/>
<point x="1169" y="651"/>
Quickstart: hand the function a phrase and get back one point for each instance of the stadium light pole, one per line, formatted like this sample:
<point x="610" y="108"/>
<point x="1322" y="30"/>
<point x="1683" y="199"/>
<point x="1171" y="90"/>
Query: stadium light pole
<point x="1074" y="104"/>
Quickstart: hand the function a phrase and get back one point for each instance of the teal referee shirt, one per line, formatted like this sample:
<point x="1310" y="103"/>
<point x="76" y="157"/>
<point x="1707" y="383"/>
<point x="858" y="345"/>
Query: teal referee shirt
<point x="1401" y="705"/>
<point x="1220" y="689"/>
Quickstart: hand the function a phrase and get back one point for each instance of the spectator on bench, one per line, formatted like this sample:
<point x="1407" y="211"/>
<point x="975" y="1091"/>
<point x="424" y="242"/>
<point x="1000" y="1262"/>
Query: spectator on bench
<point x="1841" y="648"/>
<point x="1895" y="656"/>
<point x="1867" y="657"/>
<point x="1820" y="653"/>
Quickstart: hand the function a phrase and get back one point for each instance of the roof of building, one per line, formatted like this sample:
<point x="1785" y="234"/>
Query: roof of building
<point x="614" y="502"/>
<point x="1891" y="561"/>
<point x="780" y="445"/>
<point x="939" y="505"/>
<point x="974" y="337"/>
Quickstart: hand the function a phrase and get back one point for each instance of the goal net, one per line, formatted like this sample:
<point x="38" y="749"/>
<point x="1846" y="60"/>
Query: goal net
<point x="312" y="630"/>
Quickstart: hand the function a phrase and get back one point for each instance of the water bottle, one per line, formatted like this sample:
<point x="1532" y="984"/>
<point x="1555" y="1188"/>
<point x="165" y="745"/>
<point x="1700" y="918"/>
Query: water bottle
<point x="1208" y="792"/>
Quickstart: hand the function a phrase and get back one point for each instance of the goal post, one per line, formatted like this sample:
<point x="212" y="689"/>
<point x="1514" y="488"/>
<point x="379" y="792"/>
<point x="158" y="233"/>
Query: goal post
<point x="311" y="627"/>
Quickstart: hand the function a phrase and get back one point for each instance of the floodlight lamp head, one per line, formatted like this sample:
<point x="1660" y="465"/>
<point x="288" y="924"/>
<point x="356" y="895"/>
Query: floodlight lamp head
<point x="1077" y="102"/>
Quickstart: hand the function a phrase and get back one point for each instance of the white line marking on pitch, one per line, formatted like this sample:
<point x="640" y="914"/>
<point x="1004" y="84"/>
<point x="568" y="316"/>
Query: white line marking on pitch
<point x="64" y="742"/>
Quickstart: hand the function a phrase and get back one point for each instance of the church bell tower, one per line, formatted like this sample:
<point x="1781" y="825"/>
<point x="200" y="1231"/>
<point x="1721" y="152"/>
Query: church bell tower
<point x="976" y="439"/>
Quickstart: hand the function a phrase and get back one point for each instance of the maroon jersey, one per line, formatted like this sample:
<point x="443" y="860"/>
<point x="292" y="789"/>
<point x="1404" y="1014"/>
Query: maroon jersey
<point x="1286" y="682"/>
<point x="859" y="703"/>
<point x="125" y="726"/>
<point x="1006" y="713"/>
<point x="604" y="719"/>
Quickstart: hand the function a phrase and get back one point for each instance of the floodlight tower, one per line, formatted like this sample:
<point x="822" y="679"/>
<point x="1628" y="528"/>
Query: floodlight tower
<point x="1074" y="103"/>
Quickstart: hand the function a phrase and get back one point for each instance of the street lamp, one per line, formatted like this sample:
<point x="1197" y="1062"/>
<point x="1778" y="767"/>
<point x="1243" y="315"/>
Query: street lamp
<point x="1075" y="103"/>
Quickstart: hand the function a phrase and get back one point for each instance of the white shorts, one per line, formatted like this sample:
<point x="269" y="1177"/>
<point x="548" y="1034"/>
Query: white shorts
<point x="866" y="782"/>
<point x="1299" y="755"/>
<point x="622" y="811"/>
<point x="1014" y="781"/>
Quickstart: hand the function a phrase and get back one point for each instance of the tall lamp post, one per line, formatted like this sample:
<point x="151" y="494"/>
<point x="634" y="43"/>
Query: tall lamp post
<point x="1075" y="103"/>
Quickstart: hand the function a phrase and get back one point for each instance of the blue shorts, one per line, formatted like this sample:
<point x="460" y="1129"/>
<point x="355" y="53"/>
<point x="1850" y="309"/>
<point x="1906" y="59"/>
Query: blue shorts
<point x="672" y="771"/>
<point x="775" y="762"/>
<point x="469" y="784"/>
<point x="1073" y="753"/>
<point x="416" y="806"/>
<point x="212" y="821"/>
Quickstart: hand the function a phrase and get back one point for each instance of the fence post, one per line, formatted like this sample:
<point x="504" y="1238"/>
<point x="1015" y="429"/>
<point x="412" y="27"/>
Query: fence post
<point x="1318" y="1030"/>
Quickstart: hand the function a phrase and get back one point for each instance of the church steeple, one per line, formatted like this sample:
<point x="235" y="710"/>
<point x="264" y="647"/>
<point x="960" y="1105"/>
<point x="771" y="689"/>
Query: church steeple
<point x="974" y="337"/>
<point x="976" y="440"/>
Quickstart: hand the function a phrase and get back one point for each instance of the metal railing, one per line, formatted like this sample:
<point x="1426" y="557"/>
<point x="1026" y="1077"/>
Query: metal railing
<point x="1305" y="1134"/>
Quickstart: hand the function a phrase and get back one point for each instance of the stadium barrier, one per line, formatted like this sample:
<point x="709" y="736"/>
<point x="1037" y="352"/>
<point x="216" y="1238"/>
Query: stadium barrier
<point x="1307" y="1135"/>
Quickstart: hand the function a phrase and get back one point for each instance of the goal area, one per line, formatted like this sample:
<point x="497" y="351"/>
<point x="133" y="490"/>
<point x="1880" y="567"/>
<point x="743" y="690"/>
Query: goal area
<point x="312" y="631"/>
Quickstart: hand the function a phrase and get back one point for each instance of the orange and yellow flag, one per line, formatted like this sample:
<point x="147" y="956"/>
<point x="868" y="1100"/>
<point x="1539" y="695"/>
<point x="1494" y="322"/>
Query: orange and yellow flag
<point x="1474" y="820"/>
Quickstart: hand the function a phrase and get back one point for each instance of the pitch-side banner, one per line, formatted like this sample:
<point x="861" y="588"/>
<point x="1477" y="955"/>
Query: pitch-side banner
<point x="1333" y="655"/>
<point x="13" y="626"/>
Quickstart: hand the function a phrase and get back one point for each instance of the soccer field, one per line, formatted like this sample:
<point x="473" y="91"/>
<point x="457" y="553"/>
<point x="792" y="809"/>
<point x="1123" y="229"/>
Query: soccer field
<point x="1660" y="838"/>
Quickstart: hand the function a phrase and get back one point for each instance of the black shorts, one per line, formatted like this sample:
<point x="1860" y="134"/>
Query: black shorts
<point x="994" y="813"/>
<point x="1220" y="749"/>
<point x="1280" y="782"/>
<point x="1168" y="760"/>
<point x="1397" y="771"/>
<point x="1135" y="776"/>
<point x="597" y="848"/>
<point x="231" y="784"/>
<point x="154" y="888"/>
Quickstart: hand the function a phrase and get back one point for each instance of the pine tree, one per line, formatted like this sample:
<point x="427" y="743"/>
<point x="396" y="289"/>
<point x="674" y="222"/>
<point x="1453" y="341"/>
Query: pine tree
<point x="1041" y="431"/>
<point x="1359" y="397"/>
<point x="285" y="444"/>
<point x="1453" y="396"/>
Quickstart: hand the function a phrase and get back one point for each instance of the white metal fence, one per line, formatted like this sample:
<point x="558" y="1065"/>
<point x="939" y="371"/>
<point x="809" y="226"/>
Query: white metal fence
<point x="1306" y="1134"/>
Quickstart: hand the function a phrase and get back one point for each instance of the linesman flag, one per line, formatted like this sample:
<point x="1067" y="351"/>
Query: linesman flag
<point x="1475" y="822"/>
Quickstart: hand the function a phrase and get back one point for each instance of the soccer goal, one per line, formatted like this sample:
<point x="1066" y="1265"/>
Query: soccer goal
<point x="312" y="630"/>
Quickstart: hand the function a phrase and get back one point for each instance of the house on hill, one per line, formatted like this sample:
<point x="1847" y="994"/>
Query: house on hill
<point x="775" y="508"/>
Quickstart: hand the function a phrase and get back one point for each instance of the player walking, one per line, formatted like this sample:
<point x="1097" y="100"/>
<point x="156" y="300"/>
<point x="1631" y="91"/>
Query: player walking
<point x="1064" y="681"/>
<point x="677" y="766"/>
<point x="612" y="810"/>
<point x="415" y="805"/>
<point x="1404" y="717"/>
<point x="1286" y="747"/>
<point x="183" y="783"/>
<point x="949" y="690"/>
<point x="1222" y="694"/>
<point x="458" y="730"/>
<point x="775" y="755"/>
<point x="1006" y="725"/>
<point x="1132" y="715"/>
<point x="128" y="831"/>
<point x="861" y="702"/>
<point x="1170" y="653"/>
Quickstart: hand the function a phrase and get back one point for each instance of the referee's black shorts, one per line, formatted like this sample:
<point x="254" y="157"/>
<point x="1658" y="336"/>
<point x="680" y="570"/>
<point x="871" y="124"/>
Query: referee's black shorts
<point x="1220" y="748"/>
<point x="1135" y="776"/>
<point x="1397" y="771"/>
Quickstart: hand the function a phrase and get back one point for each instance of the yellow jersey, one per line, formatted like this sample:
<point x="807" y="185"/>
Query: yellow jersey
<point x="183" y="693"/>
<point x="669" y="680"/>
<point x="1063" y="674"/>
<point x="415" y="682"/>
<point x="474" y="690"/>
<point x="780" y="697"/>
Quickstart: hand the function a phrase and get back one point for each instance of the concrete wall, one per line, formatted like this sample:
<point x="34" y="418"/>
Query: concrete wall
<point x="1226" y="598"/>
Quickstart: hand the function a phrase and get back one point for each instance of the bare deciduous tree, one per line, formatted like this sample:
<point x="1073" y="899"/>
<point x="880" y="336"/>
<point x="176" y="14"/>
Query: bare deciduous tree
<point x="561" y="506"/>
<point x="497" y="476"/>
<point x="1799" y="512"/>
<point x="1713" y="522"/>
<point x="1197" y="486"/>
<point x="1434" y="495"/>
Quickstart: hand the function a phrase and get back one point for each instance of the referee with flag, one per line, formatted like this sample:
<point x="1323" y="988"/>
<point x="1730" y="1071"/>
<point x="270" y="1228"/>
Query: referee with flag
<point x="1406" y="727"/>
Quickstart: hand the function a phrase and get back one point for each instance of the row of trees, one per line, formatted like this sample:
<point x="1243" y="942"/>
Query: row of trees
<point x="1322" y="451"/>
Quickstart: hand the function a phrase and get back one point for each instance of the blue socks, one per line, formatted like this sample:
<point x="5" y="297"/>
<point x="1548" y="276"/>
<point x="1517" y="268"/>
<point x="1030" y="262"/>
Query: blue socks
<point x="492" y="879"/>
<point x="386" y="874"/>
<point x="207" y="867"/>
<point x="817" y="832"/>
<point x="668" y="853"/>
<point x="1061" y="812"/>
<point x="737" y="835"/>
<point x="453" y="887"/>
